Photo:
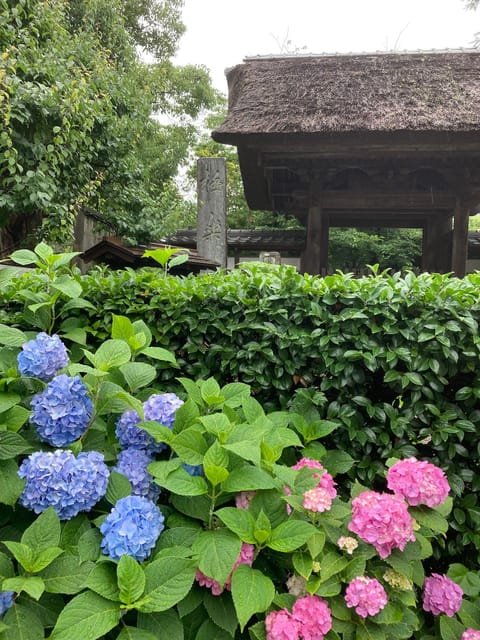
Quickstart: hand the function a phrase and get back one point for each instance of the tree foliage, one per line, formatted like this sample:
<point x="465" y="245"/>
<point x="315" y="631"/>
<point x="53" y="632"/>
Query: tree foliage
<point x="76" y="103"/>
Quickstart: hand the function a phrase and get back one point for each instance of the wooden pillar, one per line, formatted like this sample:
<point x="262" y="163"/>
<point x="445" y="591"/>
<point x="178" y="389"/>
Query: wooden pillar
<point x="437" y="243"/>
<point x="314" y="258"/>
<point x="211" y="209"/>
<point x="460" y="239"/>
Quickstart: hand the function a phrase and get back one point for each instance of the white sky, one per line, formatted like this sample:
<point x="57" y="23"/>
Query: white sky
<point x="220" y="33"/>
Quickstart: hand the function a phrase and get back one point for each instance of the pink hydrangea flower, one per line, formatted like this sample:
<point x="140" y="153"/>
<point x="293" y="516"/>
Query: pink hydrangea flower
<point x="247" y="553"/>
<point x="383" y="520"/>
<point x="419" y="482"/>
<point x="471" y="634"/>
<point x="243" y="499"/>
<point x="317" y="499"/>
<point x="441" y="595"/>
<point x="326" y="480"/>
<point x="313" y="616"/>
<point x="367" y="596"/>
<point x="280" y="625"/>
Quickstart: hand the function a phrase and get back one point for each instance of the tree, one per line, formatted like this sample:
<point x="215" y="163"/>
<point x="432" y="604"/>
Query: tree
<point x="76" y="103"/>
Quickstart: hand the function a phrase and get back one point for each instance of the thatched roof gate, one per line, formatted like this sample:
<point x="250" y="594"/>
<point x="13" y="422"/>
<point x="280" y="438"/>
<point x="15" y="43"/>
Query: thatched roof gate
<point x="362" y="140"/>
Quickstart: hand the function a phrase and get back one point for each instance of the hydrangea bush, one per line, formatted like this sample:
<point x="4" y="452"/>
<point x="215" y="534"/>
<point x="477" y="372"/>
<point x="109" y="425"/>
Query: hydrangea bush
<point x="200" y="515"/>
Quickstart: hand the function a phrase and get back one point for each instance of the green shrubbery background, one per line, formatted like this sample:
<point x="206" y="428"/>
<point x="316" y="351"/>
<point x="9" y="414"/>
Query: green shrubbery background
<point x="388" y="364"/>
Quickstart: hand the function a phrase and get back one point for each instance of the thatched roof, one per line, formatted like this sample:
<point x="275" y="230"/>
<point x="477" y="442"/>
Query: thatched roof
<point x="435" y="91"/>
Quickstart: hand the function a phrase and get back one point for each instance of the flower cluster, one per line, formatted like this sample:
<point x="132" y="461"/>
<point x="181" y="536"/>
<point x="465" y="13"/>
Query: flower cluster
<point x="43" y="357"/>
<point x="367" y="596"/>
<point x="471" y="634"/>
<point x="243" y="499"/>
<point x="160" y="407"/>
<point x="348" y="544"/>
<point x="131" y="528"/>
<point x="133" y="463"/>
<point x="6" y="601"/>
<point x="397" y="580"/>
<point x="317" y="500"/>
<point x="441" y="595"/>
<point x="383" y="520"/>
<point x="57" y="479"/>
<point x="246" y="556"/>
<point x="419" y="482"/>
<point x="62" y="411"/>
<point x="326" y="481"/>
<point x="311" y="619"/>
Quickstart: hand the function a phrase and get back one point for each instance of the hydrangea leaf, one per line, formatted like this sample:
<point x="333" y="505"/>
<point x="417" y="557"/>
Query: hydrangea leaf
<point x="248" y="478"/>
<point x="331" y="564"/>
<point x="11" y="336"/>
<point x="217" y="552"/>
<point x="168" y="580"/>
<point x="110" y="354"/>
<point x="429" y="518"/>
<point x="23" y="624"/>
<point x="33" y="585"/>
<point x="239" y="521"/>
<point x="290" y="535"/>
<point x="68" y="286"/>
<point x="130" y="579"/>
<point x="44" y="532"/>
<point x="450" y="628"/>
<point x="221" y="611"/>
<point x="190" y="445"/>
<point x="11" y="486"/>
<point x="8" y="400"/>
<point x="66" y="575"/>
<point x="138" y="374"/>
<point x="208" y="630"/>
<point x="118" y="487"/>
<point x="158" y="353"/>
<point x="252" y="592"/>
<point x="12" y="444"/>
<point x="133" y="633"/>
<point x="166" y="623"/>
<point x="88" y="615"/>
<point x="122" y="328"/>
<point x="103" y="580"/>
<point x="46" y="557"/>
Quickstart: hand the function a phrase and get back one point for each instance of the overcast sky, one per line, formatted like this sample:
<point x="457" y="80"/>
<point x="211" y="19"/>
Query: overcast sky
<point x="220" y="33"/>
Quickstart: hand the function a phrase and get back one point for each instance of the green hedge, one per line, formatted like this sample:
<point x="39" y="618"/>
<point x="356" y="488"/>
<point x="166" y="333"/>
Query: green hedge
<point x="392" y="362"/>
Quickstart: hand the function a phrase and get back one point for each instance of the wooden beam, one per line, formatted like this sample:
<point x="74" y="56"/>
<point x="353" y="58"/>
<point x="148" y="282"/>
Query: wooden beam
<point x="460" y="239"/>
<point x="314" y="257"/>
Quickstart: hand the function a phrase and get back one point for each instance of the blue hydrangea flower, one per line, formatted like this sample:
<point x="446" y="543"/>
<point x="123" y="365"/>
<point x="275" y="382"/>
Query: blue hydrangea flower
<point x="193" y="469"/>
<point x="132" y="437"/>
<point x="131" y="528"/>
<point x="6" y="601"/>
<point x="162" y="408"/>
<point x="62" y="411"/>
<point x="43" y="357"/>
<point x="57" y="479"/>
<point x="133" y="464"/>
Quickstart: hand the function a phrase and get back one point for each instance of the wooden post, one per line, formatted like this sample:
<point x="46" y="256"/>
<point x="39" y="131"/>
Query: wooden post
<point x="460" y="239"/>
<point x="314" y="258"/>
<point x="212" y="209"/>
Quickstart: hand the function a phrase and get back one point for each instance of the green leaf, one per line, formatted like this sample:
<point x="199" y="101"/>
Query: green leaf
<point x="44" y="251"/>
<point x="215" y="464"/>
<point x="159" y="432"/>
<point x="12" y="337"/>
<point x="216" y="424"/>
<point x="22" y="624"/>
<point x="303" y="564"/>
<point x="450" y="628"/>
<point x="69" y="287"/>
<point x="179" y="481"/>
<point x="290" y="535"/>
<point x="221" y="611"/>
<point x="87" y="617"/>
<point x="11" y="444"/>
<point x="248" y="478"/>
<point x="217" y="552"/>
<point x="162" y="623"/>
<point x="239" y="521"/>
<point x="118" y="487"/>
<point x="122" y="328"/>
<point x="337" y="462"/>
<point x="21" y="552"/>
<point x="138" y="374"/>
<point x="6" y="274"/>
<point x="89" y="545"/>
<point x="33" y="585"/>
<point x="158" y="353"/>
<point x="252" y="409"/>
<point x="331" y="564"/>
<point x="429" y="518"/>
<point x="131" y="579"/>
<point x="44" y="532"/>
<point x="210" y="631"/>
<point x="469" y="614"/>
<point x="134" y="633"/>
<point x="11" y="485"/>
<point x="66" y="575"/>
<point x="15" y="418"/>
<point x="112" y="353"/>
<point x="252" y="592"/>
<point x="8" y="400"/>
<point x="168" y="580"/>
<point x="103" y="580"/>
<point x="190" y="446"/>
<point x="234" y="392"/>
<point x="24" y="257"/>
<point x="45" y="557"/>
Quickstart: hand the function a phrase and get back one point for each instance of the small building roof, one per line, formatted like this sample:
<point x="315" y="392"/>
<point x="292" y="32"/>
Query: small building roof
<point x="377" y="92"/>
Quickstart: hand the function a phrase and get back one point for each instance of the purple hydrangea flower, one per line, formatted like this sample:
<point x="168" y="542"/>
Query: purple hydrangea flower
<point x="133" y="464"/>
<point x="159" y="407"/>
<point x="6" y="601"/>
<point x="162" y="408"/>
<point x="57" y="479"/>
<point x="62" y="411"/>
<point x="131" y="528"/>
<point x="193" y="469"/>
<point x="43" y="357"/>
